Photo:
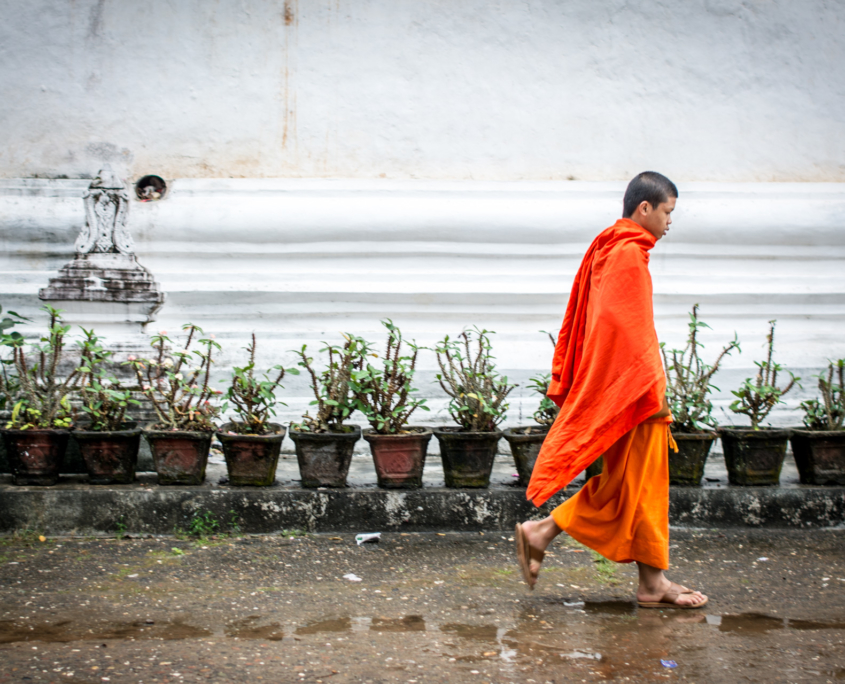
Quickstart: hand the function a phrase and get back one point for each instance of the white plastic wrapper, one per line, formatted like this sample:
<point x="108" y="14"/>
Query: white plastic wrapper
<point x="368" y="538"/>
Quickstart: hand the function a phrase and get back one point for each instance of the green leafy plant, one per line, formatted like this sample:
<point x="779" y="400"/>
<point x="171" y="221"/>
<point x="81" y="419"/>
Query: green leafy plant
<point x="203" y="525"/>
<point x="9" y="383"/>
<point x="547" y="411"/>
<point x="176" y="382"/>
<point x="468" y="375"/>
<point x="234" y="523"/>
<point x="104" y="399"/>
<point x="688" y="379"/>
<point x="43" y="396"/>
<point x="829" y="412"/>
<point x="254" y="398"/>
<point x="756" y="398"/>
<point x="383" y="394"/>
<point x="334" y="397"/>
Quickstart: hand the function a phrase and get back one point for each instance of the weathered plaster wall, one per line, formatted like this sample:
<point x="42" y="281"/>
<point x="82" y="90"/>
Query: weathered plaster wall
<point x="711" y="90"/>
<point x="299" y="261"/>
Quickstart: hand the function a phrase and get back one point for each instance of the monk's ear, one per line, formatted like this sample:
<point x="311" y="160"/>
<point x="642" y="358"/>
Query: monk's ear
<point x="644" y="207"/>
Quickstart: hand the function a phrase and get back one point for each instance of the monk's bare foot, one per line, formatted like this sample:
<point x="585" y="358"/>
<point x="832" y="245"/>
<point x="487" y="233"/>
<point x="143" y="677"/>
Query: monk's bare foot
<point x="670" y="594"/>
<point x="539" y="534"/>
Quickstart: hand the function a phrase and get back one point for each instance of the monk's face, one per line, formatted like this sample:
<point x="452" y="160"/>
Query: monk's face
<point x="656" y="220"/>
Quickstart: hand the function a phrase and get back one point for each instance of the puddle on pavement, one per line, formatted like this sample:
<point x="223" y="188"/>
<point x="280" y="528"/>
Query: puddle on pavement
<point x="530" y="634"/>
<point x="409" y="623"/>
<point x="760" y="623"/>
<point x="68" y="630"/>
<point x="610" y="608"/>
<point x="336" y="625"/>
<point x="750" y="623"/>
<point x="475" y="632"/>
<point x="248" y="628"/>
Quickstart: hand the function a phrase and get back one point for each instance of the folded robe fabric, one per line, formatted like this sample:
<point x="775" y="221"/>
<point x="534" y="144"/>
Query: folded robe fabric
<point x="607" y="375"/>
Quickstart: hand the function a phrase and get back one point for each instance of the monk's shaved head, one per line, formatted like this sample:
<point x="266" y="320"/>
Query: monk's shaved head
<point x="648" y="186"/>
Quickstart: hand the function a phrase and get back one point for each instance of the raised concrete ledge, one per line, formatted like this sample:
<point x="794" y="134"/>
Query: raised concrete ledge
<point x="75" y="508"/>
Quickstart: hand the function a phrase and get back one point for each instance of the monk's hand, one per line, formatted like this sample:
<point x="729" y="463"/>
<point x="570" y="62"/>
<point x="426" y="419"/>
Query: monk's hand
<point x="664" y="412"/>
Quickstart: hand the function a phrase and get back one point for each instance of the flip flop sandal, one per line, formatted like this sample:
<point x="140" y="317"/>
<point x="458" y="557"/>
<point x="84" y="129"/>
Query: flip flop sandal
<point x="669" y="604"/>
<point x="525" y="553"/>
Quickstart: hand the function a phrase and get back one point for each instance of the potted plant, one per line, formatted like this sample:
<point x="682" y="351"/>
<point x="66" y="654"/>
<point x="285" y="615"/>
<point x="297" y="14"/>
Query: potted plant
<point x="251" y="444"/>
<point x="384" y="395"/>
<point x="37" y="433"/>
<point x="688" y="386"/>
<point x="108" y="441"/>
<point x="526" y="441"/>
<point x="754" y="456"/>
<point x="820" y="449"/>
<point x="477" y="404"/>
<point x="176" y="383"/>
<point x="9" y="385"/>
<point x="323" y="443"/>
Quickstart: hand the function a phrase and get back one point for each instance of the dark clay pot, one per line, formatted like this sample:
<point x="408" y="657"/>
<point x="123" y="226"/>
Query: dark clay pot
<point x="525" y="443"/>
<point x="179" y="457"/>
<point x="819" y="455"/>
<point x="399" y="459"/>
<point x="324" y="458"/>
<point x="251" y="459"/>
<point x="110" y="457"/>
<point x="754" y="457"/>
<point x="686" y="468"/>
<point x="35" y="456"/>
<point x="467" y="456"/>
<point x="594" y="468"/>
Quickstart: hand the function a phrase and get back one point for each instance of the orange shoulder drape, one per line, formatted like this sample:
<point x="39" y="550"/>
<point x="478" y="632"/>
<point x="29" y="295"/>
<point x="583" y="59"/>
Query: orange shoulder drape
<point x="607" y="375"/>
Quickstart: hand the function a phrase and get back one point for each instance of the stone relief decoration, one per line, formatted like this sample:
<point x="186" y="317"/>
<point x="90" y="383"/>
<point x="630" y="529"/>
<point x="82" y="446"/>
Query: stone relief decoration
<point x="106" y="210"/>
<point x="104" y="286"/>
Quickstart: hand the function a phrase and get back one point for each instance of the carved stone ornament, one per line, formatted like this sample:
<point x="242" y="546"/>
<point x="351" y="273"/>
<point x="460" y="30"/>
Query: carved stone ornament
<point x="105" y="285"/>
<point x="106" y="209"/>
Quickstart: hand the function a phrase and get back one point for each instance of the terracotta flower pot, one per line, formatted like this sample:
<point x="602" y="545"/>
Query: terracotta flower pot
<point x="819" y="455"/>
<point x="110" y="457"/>
<point x="179" y="457"/>
<point x="35" y="456"/>
<point x="324" y="458"/>
<point x="399" y="458"/>
<point x="251" y="459"/>
<point x="467" y="456"/>
<point x="754" y="457"/>
<point x="525" y="443"/>
<point x="686" y="468"/>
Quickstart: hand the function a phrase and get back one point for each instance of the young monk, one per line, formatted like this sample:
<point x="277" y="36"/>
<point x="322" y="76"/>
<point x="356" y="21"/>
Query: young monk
<point x="608" y="379"/>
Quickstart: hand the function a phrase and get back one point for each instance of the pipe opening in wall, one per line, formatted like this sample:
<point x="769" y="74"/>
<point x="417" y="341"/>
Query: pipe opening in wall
<point x="150" y="188"/>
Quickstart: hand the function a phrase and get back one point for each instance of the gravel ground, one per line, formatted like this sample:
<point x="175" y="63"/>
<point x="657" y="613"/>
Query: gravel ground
<point x="428" y="608"/>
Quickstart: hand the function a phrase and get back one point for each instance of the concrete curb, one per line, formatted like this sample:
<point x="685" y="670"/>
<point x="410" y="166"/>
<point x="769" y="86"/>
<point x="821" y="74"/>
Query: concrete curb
<point x="137" y="509"/>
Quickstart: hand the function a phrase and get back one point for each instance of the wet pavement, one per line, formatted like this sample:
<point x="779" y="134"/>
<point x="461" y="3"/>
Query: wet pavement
<point x="427" y="608"/>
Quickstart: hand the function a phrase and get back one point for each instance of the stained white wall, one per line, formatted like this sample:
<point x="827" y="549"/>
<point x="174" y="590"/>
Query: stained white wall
<point x="710" y="90"/>
<point x="338" y="162"/>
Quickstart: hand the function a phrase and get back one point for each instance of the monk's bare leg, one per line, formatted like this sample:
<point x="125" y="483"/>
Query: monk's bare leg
<point x="654" y="586"/>
<point x="540" y="534"/>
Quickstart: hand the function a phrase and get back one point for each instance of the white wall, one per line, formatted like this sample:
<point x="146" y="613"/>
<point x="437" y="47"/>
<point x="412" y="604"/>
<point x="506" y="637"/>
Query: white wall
<point x="450" y="128"/>
<point x="299" y="261"/>
<point x="708" y="90"/>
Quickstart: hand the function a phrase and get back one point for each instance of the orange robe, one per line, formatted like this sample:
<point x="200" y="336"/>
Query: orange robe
<point x="624" y="512"/>
<point x="608" y="379"/>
